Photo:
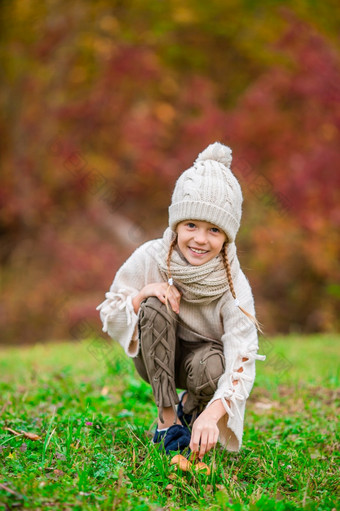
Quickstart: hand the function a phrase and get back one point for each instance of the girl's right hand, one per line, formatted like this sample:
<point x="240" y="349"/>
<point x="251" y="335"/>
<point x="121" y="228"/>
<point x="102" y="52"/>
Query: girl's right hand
<point x="161" y="290"/>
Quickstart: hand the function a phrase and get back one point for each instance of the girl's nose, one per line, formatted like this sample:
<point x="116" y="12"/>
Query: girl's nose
<point x="200" y="237"/>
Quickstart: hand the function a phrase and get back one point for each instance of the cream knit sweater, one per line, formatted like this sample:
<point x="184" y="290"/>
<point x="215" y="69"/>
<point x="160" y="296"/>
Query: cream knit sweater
<point x="214" y="319"/>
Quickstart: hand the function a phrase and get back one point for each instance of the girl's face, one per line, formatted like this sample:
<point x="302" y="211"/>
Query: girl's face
<point x="199" y="241"/>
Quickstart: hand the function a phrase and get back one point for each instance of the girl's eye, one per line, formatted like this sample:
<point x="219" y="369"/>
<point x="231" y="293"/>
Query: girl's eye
<point x="215" y="229"/>
<point x="191" y="225"/>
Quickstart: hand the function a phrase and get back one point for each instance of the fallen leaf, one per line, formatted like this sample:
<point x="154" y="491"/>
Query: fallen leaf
<point x="105" y="391"/>
<point x="13" y="431"/>
<point x="181" y="462"/>
<point x="58" y="472"/>
<point x="201" y="467"/>
<point x="23" y="447"/>
<point x="49" y="468"/>
<point x="31" y="436"/>
<point x="279" y="496"/>
<point x="4" y="487"/>
<point x="169" y="486"/>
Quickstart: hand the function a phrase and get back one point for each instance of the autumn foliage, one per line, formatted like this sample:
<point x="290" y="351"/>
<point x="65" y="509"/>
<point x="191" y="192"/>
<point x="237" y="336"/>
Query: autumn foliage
<point x="105" y="105"/>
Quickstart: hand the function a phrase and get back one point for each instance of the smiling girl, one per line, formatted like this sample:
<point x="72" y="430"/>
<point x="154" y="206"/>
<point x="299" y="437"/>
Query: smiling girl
<point x="182" y="308"/>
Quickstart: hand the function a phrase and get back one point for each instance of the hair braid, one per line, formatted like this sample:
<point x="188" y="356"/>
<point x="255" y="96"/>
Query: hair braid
<point x="228" y="270"/>
<point x="168" y="260"/>
<point x="224" y="254"/>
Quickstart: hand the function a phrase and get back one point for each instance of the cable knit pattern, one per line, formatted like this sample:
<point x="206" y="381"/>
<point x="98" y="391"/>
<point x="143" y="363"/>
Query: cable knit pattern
<point x="212" y="314"/>
<point x="209" y="191"/>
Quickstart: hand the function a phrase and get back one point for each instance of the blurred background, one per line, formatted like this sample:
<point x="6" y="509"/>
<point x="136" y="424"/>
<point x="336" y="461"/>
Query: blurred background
<point x="105" y="103"/>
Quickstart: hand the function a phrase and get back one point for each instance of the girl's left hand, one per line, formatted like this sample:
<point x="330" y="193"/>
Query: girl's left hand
<point x="204" y="434"/>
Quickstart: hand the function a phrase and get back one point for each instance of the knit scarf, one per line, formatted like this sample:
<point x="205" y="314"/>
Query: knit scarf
<point x="203" y="283"/>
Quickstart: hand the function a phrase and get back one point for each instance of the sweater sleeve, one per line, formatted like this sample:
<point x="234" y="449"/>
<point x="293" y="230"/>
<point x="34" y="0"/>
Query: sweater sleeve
<point x="116" y="312"/>
<point x="240" y="350"/>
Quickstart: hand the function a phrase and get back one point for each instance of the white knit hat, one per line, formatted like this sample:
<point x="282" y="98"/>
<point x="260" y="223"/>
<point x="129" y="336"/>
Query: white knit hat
<point x="209" y="191"/>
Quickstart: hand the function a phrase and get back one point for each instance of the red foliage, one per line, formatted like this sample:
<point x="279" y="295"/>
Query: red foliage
<point x="286" y="128"/>
<point x="92" y="157"/>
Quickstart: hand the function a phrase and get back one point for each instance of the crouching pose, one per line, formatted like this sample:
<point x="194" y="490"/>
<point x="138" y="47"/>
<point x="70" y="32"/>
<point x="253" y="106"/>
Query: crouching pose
<point x="182" y="308"/>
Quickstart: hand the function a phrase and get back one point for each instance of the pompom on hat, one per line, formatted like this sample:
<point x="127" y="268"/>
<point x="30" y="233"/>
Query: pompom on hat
<point x="209" y="191"/>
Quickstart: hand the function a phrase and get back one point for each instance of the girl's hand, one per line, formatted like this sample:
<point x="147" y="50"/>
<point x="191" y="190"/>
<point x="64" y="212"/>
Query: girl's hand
<point x="205" y="431"/>
<point x="161" y="290"/>
<point x="204" y="434"/>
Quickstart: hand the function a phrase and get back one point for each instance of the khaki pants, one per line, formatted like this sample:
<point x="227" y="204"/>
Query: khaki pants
<point x="168" y="362"/>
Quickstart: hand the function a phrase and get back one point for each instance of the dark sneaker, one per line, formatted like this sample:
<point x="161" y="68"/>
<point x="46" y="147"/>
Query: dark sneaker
<point x="176" y="438"/>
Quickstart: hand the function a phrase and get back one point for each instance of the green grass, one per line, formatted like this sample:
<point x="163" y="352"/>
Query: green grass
<point x="95" y="417"/>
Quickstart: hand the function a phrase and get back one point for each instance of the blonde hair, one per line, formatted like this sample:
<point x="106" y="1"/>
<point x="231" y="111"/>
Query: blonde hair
<point x="224" y="254"/>
<point x="168" y="259"/>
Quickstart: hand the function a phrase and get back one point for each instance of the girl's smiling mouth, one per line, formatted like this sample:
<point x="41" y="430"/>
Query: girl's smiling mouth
<point x="198" y="250"/>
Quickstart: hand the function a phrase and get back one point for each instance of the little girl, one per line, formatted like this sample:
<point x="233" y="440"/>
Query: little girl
<point x="182" y="308"/>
